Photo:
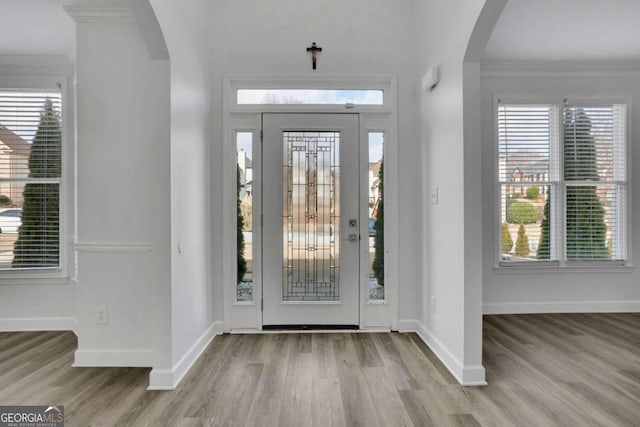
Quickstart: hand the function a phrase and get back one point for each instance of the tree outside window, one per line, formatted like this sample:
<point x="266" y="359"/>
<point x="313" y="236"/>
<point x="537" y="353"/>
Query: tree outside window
<point x="38" y="243"/>
<point x="562" y="173"/>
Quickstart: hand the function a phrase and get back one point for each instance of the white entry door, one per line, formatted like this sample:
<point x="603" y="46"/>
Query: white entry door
<point x="310" y="212"/>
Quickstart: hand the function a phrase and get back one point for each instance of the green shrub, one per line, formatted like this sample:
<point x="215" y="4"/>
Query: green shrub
<point x="38" y="242"/>
<point x="544" y="246"/>
<point x="378" y="239"/>
<point x="242" y="263"/>
<point x="5" y="200"/>
<point x="507" y="241"/>
<point x="522" y="213"/>
<point x="522" y="244"/>
<point x="586" y="229"/>
<point x="533" y="192"/>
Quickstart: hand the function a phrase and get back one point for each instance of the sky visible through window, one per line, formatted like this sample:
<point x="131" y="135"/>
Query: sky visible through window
<point x="376" y="140"/>
<point x="310" y="96"/>
<point x="20" y="111"/>
<point x="243" y="140"/>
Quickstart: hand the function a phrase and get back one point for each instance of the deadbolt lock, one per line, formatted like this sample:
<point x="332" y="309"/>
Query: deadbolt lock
<point x="353" y="223"/>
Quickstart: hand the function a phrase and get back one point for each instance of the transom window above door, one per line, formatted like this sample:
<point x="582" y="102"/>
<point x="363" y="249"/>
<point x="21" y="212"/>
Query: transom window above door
<point x="310" y="96"/>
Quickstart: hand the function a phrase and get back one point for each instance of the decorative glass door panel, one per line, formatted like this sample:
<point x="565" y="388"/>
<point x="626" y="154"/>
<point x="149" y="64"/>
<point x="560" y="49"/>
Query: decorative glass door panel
<point x="311" y="219"/>
<point x="310" y="191"/>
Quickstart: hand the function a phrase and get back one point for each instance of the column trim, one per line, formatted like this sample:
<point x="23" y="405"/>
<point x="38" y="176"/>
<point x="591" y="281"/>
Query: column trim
<point x="108" y="14"/>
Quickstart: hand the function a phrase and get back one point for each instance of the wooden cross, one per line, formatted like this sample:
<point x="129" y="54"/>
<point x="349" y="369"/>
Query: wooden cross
<point x="314" y="53"/>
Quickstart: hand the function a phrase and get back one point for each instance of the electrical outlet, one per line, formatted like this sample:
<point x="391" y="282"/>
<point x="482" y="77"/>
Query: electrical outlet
<point x="102" y="315"/>
<point x="433" y="304"/>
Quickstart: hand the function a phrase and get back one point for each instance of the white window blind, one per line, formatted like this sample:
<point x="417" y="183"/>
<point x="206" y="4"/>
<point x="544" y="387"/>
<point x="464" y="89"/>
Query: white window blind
<point x="595" y="181"/>
<point x="30" y="178"/>
<point x="563" y="184"/>
<point x="528" y="175"/>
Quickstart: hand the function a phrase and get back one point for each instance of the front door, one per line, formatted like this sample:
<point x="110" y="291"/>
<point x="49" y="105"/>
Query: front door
<point x="310" y="219"/>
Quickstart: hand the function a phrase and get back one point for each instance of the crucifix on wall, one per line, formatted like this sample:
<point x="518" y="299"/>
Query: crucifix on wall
<point x="314" y="49"/>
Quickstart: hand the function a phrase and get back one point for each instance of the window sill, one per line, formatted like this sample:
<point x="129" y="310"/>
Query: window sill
<point x="48" y="277"/>
<point x="245" y="303"/>
<point x="572" y="268"/>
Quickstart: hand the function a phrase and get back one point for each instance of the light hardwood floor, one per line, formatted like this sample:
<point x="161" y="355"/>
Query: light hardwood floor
<point x="543" y="370"/>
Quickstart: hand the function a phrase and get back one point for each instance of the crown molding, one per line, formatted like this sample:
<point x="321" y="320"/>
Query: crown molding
<point x="561" y="69"/>
<point x="35" y="60"/>
<point x="101" y="13"/>
<point x="35" y="66"/>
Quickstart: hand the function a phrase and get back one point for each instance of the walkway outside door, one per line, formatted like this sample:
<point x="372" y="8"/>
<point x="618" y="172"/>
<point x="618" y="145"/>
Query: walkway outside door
<point x="310" y="219"/>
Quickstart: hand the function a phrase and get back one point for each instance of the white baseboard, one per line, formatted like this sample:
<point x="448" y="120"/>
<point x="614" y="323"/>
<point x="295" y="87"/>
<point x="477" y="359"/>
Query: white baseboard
<point x="408" y="325"/>
<point x="39" y="324"/>
<point x="471" y="375"/>
<point x="116" y="357"/>
<point x="562" y="307"/>
<point x="168" y="379"/>
<point x="161" y="379"/>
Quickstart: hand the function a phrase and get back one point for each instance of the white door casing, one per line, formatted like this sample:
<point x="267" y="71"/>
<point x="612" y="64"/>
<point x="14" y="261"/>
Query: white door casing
<point x="246" y="315"/>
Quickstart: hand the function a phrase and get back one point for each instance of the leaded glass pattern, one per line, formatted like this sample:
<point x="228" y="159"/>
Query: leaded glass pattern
<point x="311" y="216"/>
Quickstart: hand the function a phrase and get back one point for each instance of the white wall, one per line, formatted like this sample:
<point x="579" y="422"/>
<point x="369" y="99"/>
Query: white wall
<point x="453" y="329"/>
<point x="192" y="298"/>
<point x="40" y="307"/>
<point x="509" y="291"/>
<point x="122" y="258"/>
<point x="45" y="303"/>
<point x="143" y="186"/>
<point x="358" y="37"/>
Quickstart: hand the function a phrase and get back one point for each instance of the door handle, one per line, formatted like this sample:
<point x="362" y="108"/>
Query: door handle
<point x="352" y="237"/>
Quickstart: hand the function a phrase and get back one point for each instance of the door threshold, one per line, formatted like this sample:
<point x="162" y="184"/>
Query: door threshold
<point x="298" y="328"/>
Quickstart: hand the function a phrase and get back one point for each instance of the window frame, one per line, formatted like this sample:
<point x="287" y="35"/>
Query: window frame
<point x="48" y="73"/>
<point x="558" y="186"/>
<point x="301" y="92"/>
<point x="386" y="84"/>
<point x="373" y="118"/>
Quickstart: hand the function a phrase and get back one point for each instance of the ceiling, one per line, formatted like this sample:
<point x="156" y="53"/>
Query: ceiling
<point x="566" y="30"/>
<point x="528" y="30"/>
<point x="36" y="27"/>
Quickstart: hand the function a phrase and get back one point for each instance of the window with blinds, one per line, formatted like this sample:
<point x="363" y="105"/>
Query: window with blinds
<point x="594" y="181"/>
<point x="30" y="178"/>
<point x="528" y="175"/>
<point x="562" y="179"/>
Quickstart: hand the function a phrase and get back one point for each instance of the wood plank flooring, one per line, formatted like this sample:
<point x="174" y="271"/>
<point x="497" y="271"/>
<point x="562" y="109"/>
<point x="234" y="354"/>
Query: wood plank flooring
<point x="543" y="370"/>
